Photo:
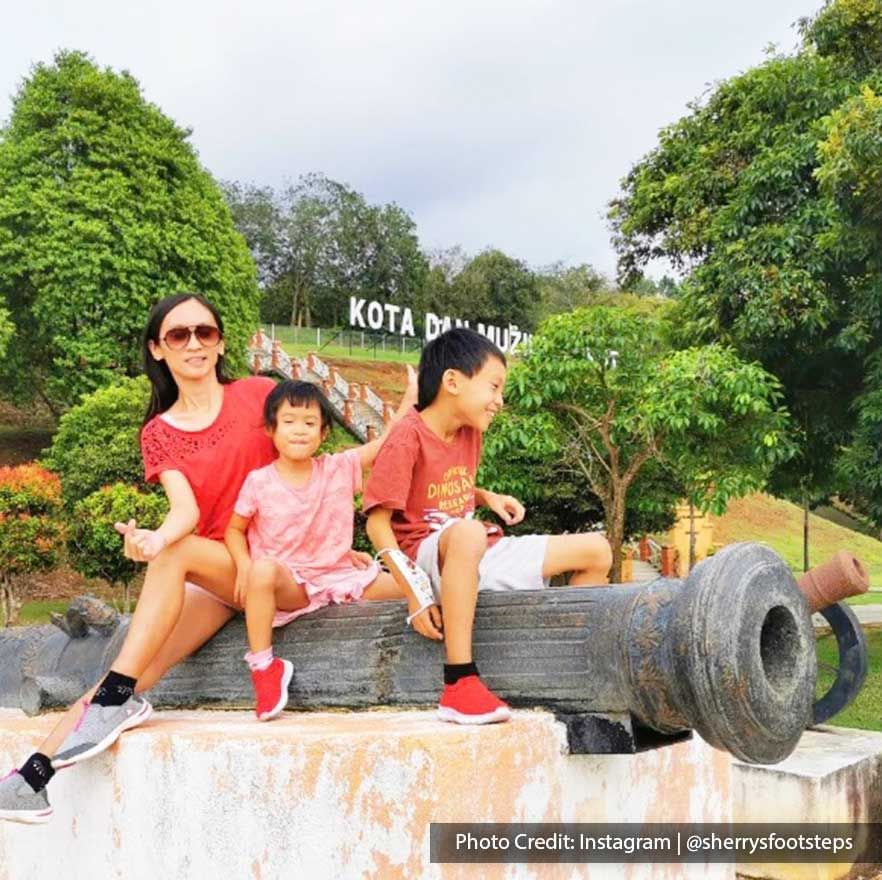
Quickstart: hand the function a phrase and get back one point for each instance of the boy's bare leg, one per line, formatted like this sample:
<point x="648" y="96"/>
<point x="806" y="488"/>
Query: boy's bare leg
<point x="201" y="617"/>
<point x="587" y="556"/>
<point x="460" y="549"/>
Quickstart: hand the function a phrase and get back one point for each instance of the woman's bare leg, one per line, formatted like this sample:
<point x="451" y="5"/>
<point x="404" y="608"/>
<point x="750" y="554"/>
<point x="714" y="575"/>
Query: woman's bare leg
<point x="200" y="619"/>
<point x="202" y="560"/>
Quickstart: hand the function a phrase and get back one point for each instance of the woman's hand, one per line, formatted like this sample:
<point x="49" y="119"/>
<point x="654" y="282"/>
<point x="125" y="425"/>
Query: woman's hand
<point x="243" y="569"/>
<point x="360" y="559"/>
<point x="506" y="507"/>
<point x="140" y="545"/>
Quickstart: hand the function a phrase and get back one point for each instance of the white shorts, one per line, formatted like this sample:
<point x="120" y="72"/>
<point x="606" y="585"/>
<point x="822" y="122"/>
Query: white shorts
<point x="510" y="564"/>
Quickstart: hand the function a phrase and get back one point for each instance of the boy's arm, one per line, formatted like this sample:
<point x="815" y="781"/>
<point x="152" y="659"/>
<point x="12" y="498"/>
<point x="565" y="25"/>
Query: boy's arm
<point x="506" y="507"/>
<point x="237" y="543"/>
<point x="370" y="450"/>
<point x="379" y="530"/>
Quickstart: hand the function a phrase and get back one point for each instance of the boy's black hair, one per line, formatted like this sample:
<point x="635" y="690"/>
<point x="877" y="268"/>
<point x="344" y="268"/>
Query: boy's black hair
<point x="457" y="349"/>
<point x="296" y="393"/>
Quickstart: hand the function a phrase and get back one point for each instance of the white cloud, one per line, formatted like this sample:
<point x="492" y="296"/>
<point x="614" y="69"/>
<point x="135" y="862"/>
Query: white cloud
<point x="504" y="123"/>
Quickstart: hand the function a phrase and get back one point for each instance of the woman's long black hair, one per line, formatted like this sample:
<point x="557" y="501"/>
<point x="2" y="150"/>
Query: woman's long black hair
<point x="164" y="390"/>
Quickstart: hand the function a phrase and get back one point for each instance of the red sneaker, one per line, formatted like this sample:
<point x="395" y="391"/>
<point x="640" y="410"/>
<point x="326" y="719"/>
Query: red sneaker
<point x="469" y="701"/>
<point x="271" y="688"/>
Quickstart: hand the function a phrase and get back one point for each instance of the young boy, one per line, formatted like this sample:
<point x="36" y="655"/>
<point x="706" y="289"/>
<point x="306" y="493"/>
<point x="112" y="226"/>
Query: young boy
<point x="421" y="499"/>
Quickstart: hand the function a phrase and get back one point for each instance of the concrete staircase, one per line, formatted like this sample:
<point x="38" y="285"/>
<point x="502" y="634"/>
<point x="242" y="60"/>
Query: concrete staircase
<point x="357" y="407"/>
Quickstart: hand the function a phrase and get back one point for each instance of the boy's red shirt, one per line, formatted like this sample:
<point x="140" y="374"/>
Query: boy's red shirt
<point x="425" y="481"/>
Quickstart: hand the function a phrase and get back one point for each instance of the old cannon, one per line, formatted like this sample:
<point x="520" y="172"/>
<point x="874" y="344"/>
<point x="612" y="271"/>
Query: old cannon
<point x="729" y="653"/>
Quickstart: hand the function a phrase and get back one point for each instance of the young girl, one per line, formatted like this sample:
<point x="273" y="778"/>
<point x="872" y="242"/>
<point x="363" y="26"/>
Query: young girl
<point x="291" y="532"/>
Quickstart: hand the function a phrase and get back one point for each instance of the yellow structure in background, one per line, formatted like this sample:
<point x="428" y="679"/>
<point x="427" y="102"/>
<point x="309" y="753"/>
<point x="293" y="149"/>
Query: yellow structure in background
<point x="678" y="537"/>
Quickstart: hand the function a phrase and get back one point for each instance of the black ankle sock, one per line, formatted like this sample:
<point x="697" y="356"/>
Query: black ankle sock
<point x="37" y="771"/>
<point x="114" y="690"/>
<point x="453" y="672"/>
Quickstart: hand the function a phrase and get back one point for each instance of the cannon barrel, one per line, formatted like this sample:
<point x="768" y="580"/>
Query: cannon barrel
<point x="729" y="653"/>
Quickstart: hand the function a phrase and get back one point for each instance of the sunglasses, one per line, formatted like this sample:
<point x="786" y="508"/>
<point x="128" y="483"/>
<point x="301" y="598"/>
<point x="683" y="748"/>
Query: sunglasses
<point x="179" y="337"/>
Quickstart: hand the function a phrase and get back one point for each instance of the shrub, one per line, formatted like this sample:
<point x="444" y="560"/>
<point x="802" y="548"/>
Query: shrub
<point x="95" y="547"/>
<point x="97" y="441"/>
<point x="30" y="534"/>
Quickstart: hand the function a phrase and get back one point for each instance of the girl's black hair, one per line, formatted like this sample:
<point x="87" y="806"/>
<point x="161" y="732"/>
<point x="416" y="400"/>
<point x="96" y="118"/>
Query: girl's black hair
<point x="457" y="349"/>
<point x="296" y="393"/>
<point x="164" y="389"/>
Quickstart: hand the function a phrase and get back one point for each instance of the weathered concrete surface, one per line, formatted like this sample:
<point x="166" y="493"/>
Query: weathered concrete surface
<point x="834" y="775"/>
<point x="325" y="795"/>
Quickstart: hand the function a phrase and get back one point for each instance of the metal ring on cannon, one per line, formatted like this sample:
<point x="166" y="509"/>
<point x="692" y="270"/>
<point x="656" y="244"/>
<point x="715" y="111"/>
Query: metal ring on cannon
<point x="853" y="663"/>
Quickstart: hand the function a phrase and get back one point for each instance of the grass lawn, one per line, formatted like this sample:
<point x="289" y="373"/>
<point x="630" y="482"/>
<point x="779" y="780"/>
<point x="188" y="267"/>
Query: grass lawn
<point x="38" y="612"/>
<point x="301" y="341"/>
<point x="866" y="711"/>
<point x="865" y="599"/>
<point x="779" y="524"/>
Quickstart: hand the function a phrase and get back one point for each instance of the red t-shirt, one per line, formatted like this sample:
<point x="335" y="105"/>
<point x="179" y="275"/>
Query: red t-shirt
<point x="216" y="459"/>
<point x="425" y="480"/>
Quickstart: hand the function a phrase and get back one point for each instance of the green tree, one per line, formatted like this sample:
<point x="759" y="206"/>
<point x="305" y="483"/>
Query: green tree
<point x="762" y="196"/>
<point x="601" y="392"/>
<point x="564" y="288"/>
<point x="318" y="242"/>
<point x="97" y="441"/>
<point x="104" y="208"/>
<point x="499" y="290"/>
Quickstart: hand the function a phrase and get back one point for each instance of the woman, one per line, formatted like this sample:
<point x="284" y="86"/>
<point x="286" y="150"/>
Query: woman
<point x="202" y="434"/>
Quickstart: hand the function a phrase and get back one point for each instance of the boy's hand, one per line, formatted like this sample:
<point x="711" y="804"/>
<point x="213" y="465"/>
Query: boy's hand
<point x="506" y="507"/>
<point x="429" y="623"/>
<point x="360" y="559"/>
<point x="241" y="590"/>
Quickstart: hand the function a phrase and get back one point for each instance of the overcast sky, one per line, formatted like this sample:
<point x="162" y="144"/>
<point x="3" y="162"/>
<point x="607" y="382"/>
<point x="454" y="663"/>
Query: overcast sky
<point x="493" y="123"/>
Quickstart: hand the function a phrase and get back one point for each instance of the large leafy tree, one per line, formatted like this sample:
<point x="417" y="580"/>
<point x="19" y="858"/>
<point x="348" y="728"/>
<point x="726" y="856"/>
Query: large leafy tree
<point x="499" y="290"/>
<point x="104" y="208"/>
<point x="318" y="242"/>
<point x="762" y="196"/>
<point x="601" y="393"/>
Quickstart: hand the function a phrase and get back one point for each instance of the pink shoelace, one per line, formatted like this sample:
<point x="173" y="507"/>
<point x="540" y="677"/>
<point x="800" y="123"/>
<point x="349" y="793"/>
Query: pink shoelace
<point x="85" y="709"/>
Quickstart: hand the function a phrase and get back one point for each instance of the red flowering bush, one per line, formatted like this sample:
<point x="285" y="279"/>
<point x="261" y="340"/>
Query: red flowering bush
<point x="30" y="534"/>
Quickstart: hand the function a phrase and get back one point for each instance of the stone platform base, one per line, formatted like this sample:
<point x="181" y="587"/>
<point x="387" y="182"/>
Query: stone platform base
<point x="326" y="795"/>
<point x="834" y="775"/>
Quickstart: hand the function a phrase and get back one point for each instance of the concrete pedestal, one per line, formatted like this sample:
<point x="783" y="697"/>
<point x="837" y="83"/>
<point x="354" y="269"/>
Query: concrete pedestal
<point x="324" y="795"/>
<point x="834" y="775"/>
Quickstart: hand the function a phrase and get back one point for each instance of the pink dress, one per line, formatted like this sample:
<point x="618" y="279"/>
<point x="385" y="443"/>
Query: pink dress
<point x="309" y="529"/>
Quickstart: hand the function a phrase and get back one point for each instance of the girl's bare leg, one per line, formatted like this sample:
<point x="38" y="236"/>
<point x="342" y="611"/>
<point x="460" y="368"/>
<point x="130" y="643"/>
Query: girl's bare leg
<point x="270" y="586"/>
<point x="384" y="587"/>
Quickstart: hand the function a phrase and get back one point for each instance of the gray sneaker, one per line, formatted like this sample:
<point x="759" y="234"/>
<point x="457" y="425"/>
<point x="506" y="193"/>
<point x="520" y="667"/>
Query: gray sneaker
<point x="20" y="803"/>
<point x="98" y="729"/>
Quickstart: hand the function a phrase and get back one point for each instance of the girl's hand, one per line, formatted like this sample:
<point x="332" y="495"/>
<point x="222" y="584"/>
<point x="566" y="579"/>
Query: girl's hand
<point x="241" y="589"/>
<point x="360" y="559"/>
<point x="411" y="392"/>
<point x="140" y="545"/>
<point x="507" y="508"/>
